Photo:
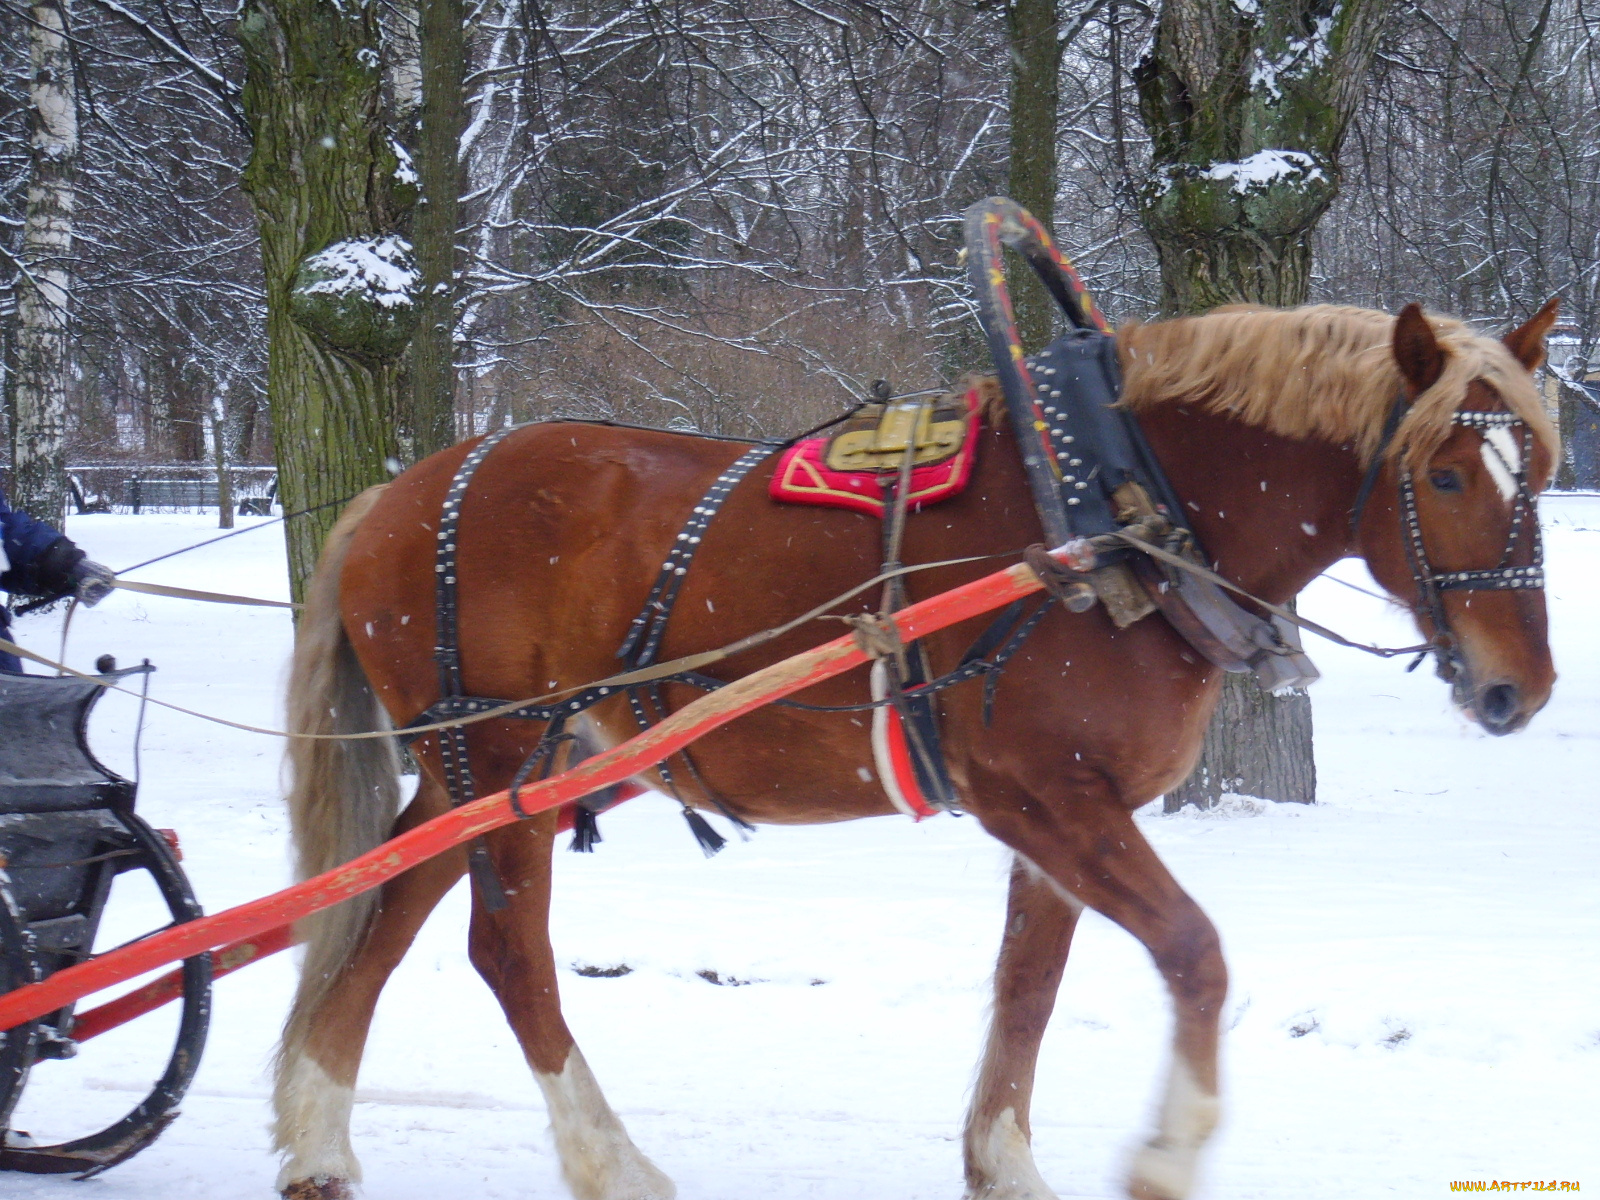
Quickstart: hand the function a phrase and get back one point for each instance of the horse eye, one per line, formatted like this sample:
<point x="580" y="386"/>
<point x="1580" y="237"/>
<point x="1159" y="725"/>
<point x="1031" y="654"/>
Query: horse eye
<point x="1445" y="481"/>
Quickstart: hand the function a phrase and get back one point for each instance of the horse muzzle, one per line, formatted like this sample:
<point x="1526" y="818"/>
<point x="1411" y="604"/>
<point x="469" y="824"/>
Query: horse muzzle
<point x="1499" y="709"/>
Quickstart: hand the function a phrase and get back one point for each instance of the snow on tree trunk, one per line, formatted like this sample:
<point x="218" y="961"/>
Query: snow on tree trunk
<point x="44" y="285"/>
<point x="1247" y="102"/>
<point x="330" y="194"/>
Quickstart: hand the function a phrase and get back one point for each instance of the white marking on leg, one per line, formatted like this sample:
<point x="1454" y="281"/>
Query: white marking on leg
<point x="598" y="1159"/>
<point x="313" y="1125"/>
<point x="1006" y="1160"/>
<point x="1165" y="1165"/>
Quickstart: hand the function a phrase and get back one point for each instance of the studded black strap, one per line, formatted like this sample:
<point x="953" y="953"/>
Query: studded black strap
<point x="1432" y="584"/>
<point x="447" y="654"/>
<point x="647" y="629"/>
<point x="446" y="637"/>
<point x="643" y="642"/>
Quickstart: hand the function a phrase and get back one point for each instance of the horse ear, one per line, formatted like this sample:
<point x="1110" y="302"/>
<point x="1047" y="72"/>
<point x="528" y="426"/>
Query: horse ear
<point x="1527" y="343"/>
<point x="1416" y="350"/>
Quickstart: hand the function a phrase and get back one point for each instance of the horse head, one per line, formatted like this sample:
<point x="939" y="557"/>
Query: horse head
<point x="1456" y="536"/>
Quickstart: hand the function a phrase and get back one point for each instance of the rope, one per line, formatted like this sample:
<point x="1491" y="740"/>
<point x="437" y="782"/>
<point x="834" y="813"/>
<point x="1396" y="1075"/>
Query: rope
<point x="225" y="536"/>
<point x="689" y="662"/>
<point x="161" y="589"/>
<point x="1293" y="618"/>
<point x="693" y="662"/>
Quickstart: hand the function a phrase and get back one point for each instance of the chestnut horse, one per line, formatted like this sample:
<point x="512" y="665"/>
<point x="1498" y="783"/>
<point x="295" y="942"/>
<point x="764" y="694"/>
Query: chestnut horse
<point x="1264" y="421"/>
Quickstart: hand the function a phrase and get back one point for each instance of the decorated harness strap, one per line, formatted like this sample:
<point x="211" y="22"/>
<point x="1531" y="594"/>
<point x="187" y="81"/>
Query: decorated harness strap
<point x="1431" y="585"/>
<point x="646" y="631"/>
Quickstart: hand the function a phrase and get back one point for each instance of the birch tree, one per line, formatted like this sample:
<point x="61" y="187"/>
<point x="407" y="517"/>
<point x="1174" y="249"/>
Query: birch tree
<point x="44" y="285"/>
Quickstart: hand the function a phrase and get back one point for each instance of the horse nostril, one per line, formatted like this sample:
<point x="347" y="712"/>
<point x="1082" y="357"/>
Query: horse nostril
<point x="1497" y="705"/>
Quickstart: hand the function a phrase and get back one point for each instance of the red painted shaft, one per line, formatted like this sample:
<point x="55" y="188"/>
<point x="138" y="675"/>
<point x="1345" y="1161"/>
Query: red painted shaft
<point x="230" y="958"/>
<point x="491" y="812"/>
<point x="169" y="987"/>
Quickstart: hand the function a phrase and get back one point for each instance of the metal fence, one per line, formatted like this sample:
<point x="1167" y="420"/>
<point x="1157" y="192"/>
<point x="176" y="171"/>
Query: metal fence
<point x="174" y="487"/>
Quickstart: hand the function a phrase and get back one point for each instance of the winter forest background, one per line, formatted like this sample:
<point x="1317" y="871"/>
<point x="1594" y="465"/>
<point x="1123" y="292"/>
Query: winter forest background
<point x="731" y="215"/>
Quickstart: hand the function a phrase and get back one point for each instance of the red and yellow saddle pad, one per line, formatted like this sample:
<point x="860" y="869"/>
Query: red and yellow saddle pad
<point x="804" y="477"/>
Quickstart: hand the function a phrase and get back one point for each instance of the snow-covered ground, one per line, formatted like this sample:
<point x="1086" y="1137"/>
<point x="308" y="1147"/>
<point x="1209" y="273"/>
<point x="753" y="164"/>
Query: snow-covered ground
<point x="1415" y="960"/>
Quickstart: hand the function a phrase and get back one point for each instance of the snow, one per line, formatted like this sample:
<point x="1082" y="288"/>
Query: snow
<point x="405" y="170"/>
<point x="1299" y="58"/>
<point x="379" y="268"/>
<point x="1265" y="168"/>
<point x="1413" y="959"/>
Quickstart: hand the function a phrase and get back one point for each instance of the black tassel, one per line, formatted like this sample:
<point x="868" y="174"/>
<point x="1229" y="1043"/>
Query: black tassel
<point x="585" y="831"/>
<point x="710" y="840"/>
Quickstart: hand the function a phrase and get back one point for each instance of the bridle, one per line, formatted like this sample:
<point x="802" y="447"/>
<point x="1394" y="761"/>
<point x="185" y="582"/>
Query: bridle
<point x="1431" y="584"/>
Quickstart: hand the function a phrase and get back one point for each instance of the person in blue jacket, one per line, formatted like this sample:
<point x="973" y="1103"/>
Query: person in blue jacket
<point x="38" y="560"/>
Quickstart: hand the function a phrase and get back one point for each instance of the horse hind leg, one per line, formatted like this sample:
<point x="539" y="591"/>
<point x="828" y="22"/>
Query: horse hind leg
<point x="511" y="950"/>
<point x="327" y="1029"/>
<point x="1038" y="934"/>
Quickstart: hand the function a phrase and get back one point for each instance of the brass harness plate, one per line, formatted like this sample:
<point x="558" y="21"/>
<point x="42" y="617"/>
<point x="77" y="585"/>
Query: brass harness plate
<point x="875" y="439"/>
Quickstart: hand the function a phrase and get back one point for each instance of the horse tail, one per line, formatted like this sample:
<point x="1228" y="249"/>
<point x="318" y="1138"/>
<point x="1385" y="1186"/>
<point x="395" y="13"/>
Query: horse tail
<point x="343" y="795"/>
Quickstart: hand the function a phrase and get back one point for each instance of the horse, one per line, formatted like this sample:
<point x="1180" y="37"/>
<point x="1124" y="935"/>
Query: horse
<point x="1266" y="421"/>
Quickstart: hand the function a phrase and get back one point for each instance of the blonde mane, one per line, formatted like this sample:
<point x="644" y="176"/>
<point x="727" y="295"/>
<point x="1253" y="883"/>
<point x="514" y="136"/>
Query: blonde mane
<point x="1324" y="371"/>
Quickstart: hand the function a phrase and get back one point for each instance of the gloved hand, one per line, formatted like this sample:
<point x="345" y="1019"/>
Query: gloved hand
<point x="94" y="582"/>
<point x="52" y="573"/>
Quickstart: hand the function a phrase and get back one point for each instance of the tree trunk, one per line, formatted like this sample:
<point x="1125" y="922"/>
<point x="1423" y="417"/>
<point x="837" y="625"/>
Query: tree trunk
<point x="429" y="422"/>
<point x="1246" y="105"/>
<point x="324" y="178"/>
<point x="1033" y="27"/>
<point x="219" y="454"/>
<point x="44" y="285"/>
<point x="1258" y="745"/>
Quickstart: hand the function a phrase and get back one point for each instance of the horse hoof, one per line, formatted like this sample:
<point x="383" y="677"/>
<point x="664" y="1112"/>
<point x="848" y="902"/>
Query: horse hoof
<point x="1142" y="1187"/>
<point x="1161" y="1173"/>
<point x="319" y="1187"/>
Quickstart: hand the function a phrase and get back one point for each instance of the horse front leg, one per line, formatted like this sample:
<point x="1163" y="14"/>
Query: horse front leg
<point x="1088" y="846"/>
<point x="1033" y="954"/>
<point x="511" y="950"/>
